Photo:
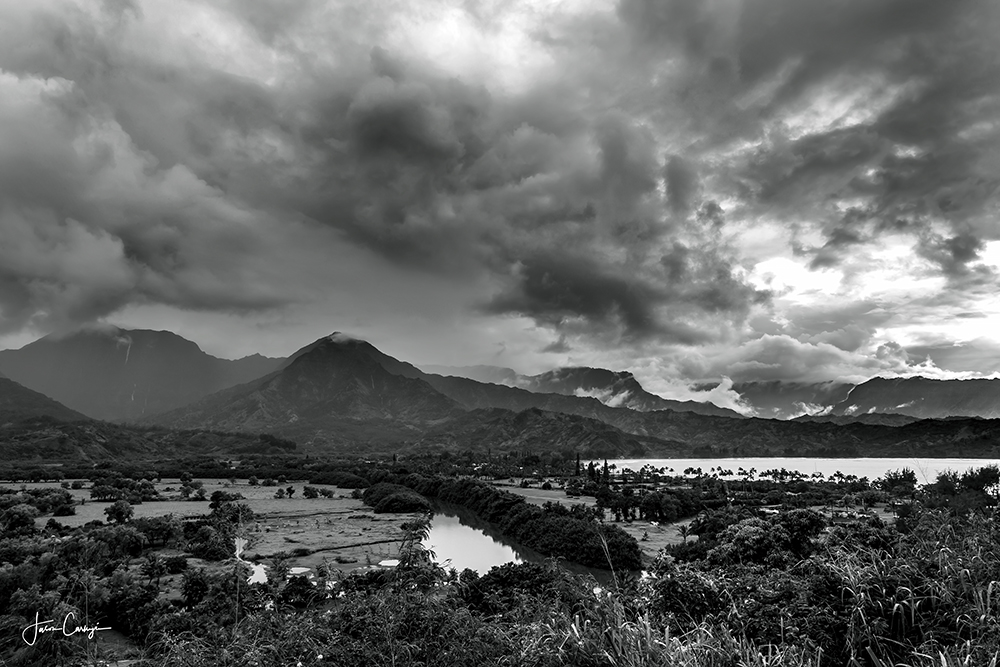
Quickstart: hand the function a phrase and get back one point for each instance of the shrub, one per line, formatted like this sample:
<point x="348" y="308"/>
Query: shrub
<point x="343" y="480"/>
<point x="374" y="494"/>
<point x="175" y="564"/>
<point x="405" y="501"/>
<point x="64" y="510"/>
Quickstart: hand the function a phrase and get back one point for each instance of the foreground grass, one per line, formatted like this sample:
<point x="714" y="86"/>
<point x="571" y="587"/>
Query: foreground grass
<point x="389" y="628"/>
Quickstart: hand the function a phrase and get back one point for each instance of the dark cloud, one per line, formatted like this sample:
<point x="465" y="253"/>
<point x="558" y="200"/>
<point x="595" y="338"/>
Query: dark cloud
<point x="845" y="330"/>
<point x="780" y="357"/>
<point x="887" y="107"/>
<point x="681" y="183"/>
<point x="559" y="346"/>
<point x="605" y="193"/>
<point x="269" y="19"/>
<point x="953" y="254"/>
<point x="558" y="205"/>
<point x="557" y="289"/>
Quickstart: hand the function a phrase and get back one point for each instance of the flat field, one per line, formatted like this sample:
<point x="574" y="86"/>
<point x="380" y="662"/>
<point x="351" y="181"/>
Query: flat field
<point x="341" y="531"/>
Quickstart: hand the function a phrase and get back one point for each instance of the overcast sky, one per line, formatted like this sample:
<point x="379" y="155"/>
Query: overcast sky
<point x="689" y="189"/>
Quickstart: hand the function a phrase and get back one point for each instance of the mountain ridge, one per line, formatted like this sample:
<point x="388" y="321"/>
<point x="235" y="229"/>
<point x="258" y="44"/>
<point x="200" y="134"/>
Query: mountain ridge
<point x="514" y="417"/>
<point x="122" y="374"/>
<point x="614" y="388"/>
<point x="18" y="403"/>
<point x="923" y="398"/>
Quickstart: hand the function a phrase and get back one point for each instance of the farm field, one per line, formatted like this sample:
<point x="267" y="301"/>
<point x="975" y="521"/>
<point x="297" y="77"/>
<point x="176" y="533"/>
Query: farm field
<point x="341" y="529"/>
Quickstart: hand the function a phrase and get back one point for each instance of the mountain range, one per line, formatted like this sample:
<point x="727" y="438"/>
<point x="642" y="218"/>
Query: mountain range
<point x="340" y="394"/>
<point x="344" y="393"/>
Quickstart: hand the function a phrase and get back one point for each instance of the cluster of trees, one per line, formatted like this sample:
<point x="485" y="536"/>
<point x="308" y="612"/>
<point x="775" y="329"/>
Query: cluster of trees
<point x="388" y="497"/>
<point x="339" y="478"/>
<point x="312" y="492"/>
<point x="45" y="500"/>
<point x="113" y="485"/>
<point x="974" y="489"/>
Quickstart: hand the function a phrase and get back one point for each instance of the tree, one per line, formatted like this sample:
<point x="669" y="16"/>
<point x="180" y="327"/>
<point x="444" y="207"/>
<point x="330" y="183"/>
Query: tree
<point x="119" y="511"/>
<point x="981" y="480"/>
<point x="219" y="497"/>
<point x="900" y="482"/>
<point x="280" y="493"/>
<point x="154" y="567"/>
<point x="18" y="520"/>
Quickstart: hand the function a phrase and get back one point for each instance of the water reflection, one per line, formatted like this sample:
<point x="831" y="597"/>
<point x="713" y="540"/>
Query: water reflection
<point x="460" y="546"/>
<point x="459" y="536"/>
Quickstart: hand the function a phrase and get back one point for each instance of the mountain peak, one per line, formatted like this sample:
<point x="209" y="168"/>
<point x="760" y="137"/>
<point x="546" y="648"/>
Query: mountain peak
<point x="343" y="339"/>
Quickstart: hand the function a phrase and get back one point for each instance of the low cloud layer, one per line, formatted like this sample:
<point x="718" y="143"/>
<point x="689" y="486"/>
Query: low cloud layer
<point x="737" y="189"/>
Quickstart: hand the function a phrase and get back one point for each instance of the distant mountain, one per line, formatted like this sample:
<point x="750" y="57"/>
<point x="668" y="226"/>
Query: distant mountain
<point x="535" y="431"/>
<point x="714" y="436"/>
<point x="18" y="403"/>
<point x="614" y="388"/>
<point x="891" y="401"/>
<point x="923" y="398"/>
<point x="491" y="374"/>
<point x="121" y="374"/>
<point x="332" y="391"/>
<point x="882" y="419"/>
<point x="788" y="400"/>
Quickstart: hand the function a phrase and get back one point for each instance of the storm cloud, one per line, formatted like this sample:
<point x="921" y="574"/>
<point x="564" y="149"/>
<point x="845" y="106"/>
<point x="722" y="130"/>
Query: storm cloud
<point x="166" y="171"/>
<point x="612" y="174"/>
